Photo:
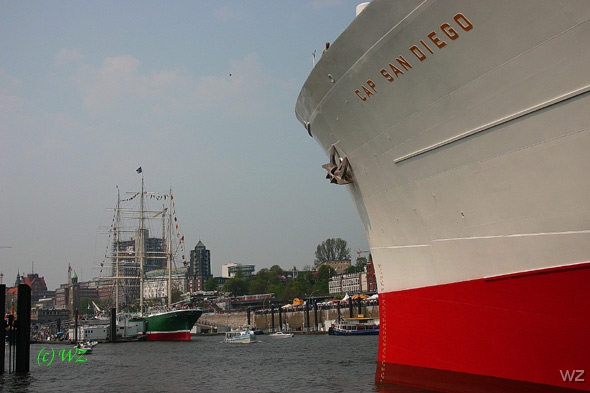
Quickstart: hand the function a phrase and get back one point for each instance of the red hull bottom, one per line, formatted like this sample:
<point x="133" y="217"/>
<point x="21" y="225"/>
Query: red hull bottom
<point x="168" y="336"/>
<point x="522" y="332"/>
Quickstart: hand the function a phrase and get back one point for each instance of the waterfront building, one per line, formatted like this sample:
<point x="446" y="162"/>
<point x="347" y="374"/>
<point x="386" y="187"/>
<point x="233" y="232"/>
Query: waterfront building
<point x="371" y="278"/>
<point x="339" y="266"/>
<point x="229" y="270"/>
<point x="49" y="315"/>
<point x="221" y="281"/>
<point x="155" y="284"/>
<point x="62" y="296"/>
<point x="348" y="283"/>
<point x="364" y="282"/>
<point x="89" y="289"/>
<point x="37" y="284"/>
<point x="67" y="296"/>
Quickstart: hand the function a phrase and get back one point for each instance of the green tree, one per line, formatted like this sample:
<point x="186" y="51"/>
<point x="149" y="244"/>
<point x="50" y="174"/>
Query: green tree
<point x="236" y="286"/>
<point x="325" y="272"/>
<point x="258" y="284"/>
<point x="331" y="250"/>
<point x="211" y="284"/>
<point x="275" y="273"/>
<point x="299" y="288"/>
<point x="323" y="278"/>
<point x="86" y="307"/>
<point x="279" y="290"/>
<point x="361" y="262"/>
<point x="307" y="277"/>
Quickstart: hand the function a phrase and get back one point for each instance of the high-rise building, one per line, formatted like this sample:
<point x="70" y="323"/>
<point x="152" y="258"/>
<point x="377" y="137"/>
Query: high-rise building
<point x="199" y="270"/>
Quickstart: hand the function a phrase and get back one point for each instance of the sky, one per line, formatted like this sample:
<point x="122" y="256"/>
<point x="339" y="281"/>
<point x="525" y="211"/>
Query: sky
<point x="200" y="94"/>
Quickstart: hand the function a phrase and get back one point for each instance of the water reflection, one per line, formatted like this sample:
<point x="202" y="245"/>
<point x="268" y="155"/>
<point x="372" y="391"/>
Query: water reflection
<point x="15" y="382"/>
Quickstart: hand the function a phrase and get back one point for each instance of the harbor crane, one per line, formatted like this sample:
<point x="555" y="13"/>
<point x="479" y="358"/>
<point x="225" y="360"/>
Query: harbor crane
<point x="359" y="252"/>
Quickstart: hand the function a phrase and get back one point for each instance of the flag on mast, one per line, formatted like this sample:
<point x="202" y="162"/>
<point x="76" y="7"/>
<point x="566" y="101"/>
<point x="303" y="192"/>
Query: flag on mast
<point x="138" y="170"/>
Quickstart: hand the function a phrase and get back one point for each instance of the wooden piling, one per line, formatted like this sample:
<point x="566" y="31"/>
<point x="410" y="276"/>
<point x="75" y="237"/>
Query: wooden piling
<point x="3" y="325"/>
<point x="113" y="328"/>
<point x="23" y="331"/>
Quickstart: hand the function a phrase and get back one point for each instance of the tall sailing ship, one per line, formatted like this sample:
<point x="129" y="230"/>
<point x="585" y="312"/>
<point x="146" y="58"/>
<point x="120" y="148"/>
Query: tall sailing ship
<point x="461" y="131"/>
<point x="135" y="258"/>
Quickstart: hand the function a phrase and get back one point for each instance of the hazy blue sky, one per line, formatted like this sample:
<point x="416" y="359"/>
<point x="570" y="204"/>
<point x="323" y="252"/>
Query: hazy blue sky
<point x="201" y="94"/>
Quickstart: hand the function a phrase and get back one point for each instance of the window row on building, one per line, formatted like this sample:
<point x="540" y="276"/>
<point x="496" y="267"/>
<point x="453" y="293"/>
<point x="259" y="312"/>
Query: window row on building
<point x="364" y="282"/>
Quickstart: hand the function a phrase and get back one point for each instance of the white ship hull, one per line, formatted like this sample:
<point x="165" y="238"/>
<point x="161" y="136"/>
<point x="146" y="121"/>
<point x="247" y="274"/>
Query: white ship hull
<point x="466" y="126"/>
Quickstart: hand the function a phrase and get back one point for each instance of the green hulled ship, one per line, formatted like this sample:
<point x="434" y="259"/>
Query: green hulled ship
<point x="173" y="325"/>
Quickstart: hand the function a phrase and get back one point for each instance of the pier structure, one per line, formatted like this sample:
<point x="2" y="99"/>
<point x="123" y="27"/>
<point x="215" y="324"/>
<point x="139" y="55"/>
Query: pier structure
<point x="297" y="320"/>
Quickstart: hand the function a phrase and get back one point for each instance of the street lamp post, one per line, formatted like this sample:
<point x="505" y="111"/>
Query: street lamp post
<point x="310" y="298"/>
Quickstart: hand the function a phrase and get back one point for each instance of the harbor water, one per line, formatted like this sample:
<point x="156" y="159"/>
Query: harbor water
<point x="304" y="363"/>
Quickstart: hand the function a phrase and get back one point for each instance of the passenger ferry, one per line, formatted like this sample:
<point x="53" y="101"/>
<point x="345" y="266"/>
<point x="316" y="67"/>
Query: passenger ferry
<point x="357" y="326"/>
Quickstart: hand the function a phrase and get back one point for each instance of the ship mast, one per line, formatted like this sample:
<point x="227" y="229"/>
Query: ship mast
<point x="117" y="223"/>
<point x="169" y="250"/>
<point x="141" y="247"/>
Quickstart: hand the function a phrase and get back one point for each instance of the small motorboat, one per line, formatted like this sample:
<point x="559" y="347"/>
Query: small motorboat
<point x="241" y="335"/>
<point x="86" y="346"/>
<point x="281" y="335"/>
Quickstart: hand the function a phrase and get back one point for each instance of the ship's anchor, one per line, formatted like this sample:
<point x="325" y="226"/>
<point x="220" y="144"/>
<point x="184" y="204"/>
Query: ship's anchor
<point x="338" y="168"/>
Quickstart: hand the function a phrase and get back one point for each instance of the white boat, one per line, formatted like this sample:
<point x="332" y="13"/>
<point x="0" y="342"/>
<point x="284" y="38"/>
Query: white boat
<point x="460" y="128"/>
<point x="86" y="346"/>
<point x="281" y="335"/>
<point x="240" y="336"/>
<point x="357" y="326"/>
